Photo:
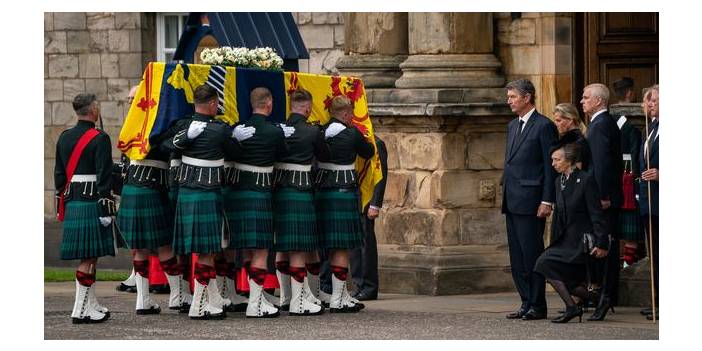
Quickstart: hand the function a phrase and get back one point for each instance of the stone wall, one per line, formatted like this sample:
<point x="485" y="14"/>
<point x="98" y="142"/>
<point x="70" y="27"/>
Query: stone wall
<point x="538" y="46"/>
<point x="96" y="52"/>
<point x="323" y="35"/>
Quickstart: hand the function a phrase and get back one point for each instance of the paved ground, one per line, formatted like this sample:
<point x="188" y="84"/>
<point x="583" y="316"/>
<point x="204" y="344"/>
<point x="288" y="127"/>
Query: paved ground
<point x="392" y="317"/>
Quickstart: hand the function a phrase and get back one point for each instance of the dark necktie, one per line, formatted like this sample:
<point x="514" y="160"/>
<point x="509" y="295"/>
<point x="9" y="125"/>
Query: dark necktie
<point x="519" y="130"/>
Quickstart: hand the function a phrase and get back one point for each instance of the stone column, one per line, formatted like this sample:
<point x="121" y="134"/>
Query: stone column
<point x="450" y="50"/>
<point x="375" y="45"/>
<point x="440" y="230"/>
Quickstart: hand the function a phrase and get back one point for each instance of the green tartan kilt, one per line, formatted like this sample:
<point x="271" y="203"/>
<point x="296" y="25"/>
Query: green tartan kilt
<point x="198" y="221"/>
<point x="630" y="225"/>
<point x="250" y="217"/>
<point x="83" y="235"/>
<point x="295" y="220"/>
<point x="145" y="218"/>
<point x="339" y="219"/>
<point x="173" y="196"/>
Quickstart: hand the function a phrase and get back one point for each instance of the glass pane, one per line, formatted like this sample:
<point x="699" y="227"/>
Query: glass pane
<point x="171" y="31"/>
<point x="169" y="56"/>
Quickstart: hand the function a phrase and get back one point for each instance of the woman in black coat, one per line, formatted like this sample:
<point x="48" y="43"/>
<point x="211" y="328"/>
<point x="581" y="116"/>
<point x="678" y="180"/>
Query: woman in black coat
<point x="577" y="211"/>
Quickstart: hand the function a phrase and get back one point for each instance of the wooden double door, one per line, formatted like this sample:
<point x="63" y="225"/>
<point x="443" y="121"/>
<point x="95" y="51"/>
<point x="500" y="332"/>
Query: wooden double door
<point x="611" y="45"/>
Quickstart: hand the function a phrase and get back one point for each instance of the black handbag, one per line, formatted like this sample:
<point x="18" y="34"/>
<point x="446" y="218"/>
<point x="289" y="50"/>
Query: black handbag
<point x="588" y="243"/>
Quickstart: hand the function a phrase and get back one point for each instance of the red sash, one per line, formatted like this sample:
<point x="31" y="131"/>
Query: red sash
<point x="72" y="164"/>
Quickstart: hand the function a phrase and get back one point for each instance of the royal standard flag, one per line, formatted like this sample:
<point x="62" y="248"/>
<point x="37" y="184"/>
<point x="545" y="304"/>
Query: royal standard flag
<point x="323" y="88"/>
<point x="165" y="95"/>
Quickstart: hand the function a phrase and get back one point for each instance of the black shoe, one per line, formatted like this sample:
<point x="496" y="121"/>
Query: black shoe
<point x="601" y="311"/>
<point x="207" y="316"/>
<point x="570" y="313"/>
<point x="650" y="317"/>
<point x="533" y="315"/>
<point x="151" y="310"/>
<point x="361" y="296"/>
<point x="125" y="288"/>
<point x="88" y="320"/>
<point x="646" y="311"/>
<point x="518" y="314"/>
<point x="160" y="289"/>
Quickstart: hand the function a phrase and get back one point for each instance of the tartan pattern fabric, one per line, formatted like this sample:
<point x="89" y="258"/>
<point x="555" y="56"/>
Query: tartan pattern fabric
<point x="198" y="221"/>
<point x="295" y="220"/>
<point x="173" y="197"/>
<point x="83" y="235"/>
<point x="338" y="219"/>
<point x="145" y="218"/>
<point x="630" y="225"/>
<point x="250" y="216"/>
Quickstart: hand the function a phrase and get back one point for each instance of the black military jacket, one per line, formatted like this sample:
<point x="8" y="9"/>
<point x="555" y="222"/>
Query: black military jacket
<point x="344" y="148"/>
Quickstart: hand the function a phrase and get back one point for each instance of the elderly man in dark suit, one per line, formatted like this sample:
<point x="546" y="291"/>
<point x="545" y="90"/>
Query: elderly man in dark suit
<point x="604" y="138"/>
<point x="527" y="195"/>
<point x="364" y="261"/>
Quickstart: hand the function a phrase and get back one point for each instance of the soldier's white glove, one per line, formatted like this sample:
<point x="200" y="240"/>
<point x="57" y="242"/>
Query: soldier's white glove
<point x="333" y="129"/>
<point x="288" y="131"/>
<point x="196" y="128"/>
<point x="242" y="133"/>
<point x="105" y="221"/>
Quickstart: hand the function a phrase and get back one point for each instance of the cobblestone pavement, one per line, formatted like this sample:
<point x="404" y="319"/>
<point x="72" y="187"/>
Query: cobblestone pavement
<point x="393" y="317"/>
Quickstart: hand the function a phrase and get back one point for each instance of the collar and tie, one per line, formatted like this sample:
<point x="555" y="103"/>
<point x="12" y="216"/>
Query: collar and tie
<point x="650" y="139"/>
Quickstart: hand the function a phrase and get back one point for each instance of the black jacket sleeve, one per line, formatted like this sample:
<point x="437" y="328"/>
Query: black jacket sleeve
<point x="59" y="172"/>
<point x="549" y="135"/>
<point x="379" y="190"/>
<point x="363" y="147"/>
<point x="103" y="170"/>
<point x="594" y="208"/>
<point x="321" y="149"/>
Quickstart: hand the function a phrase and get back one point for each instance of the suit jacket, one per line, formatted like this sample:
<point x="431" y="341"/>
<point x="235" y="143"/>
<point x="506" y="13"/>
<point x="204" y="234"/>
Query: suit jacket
<point x="577" y="211"/>
<point x="604" y="138"/>
<point x="379" y="190"/>
<point x="643" y="190"/>
<point x="528" y="175"/>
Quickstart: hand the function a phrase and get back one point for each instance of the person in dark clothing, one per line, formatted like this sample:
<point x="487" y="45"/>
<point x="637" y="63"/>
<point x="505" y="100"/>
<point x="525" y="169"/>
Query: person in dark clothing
<point x="630" y="218"/>
<point x="199" y="213"/>
<point x="82" y="175"/>
<point x="145" y="219"/>
<point x="568" y="122"/>
<point x="293" y="204"/>
<point x="577" y="211"/>
<point x="527" y="195"/>
<point x="251" y="215"/>
<point x="364" y="260"/>
<point x="337" y="198"/>
<point x="648" y="162"/>
<point x="604" y="138"/>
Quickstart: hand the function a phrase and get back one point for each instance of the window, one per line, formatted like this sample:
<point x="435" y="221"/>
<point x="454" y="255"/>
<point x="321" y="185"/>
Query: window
<point x="169" y="27"/>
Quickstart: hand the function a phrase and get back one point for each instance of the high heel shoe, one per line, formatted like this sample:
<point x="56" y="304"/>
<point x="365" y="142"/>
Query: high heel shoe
<point x="570" y="313"/>
<point x="603" y="307"/>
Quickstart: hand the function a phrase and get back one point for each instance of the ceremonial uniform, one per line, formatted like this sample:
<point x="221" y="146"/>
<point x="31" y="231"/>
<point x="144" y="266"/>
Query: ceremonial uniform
<point x="295" y="219"/>
<point x="251" y="215"/>
<point x="337" y="198"/>
<point x="338" y="205"/>
<point x="86" y="191"/>
<point x="199" y="216"/>
<point x="145" y="220"/>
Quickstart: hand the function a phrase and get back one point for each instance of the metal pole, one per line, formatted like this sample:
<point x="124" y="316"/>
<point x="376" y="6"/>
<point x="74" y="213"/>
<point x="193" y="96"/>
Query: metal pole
<point x="650" y="224"/>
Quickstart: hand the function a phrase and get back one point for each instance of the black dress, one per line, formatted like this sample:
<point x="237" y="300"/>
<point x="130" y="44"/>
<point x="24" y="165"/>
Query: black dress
<point x="577" y="211"/>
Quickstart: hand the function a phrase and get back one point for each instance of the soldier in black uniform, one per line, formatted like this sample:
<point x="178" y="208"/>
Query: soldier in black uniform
<point x="145" y="219"/>
<point x="337" y="198"/>
<point x="251" y="215"/>
<point x="293" y="204"/>
<point x="83" y="188"/>
<point x="199" y="213"/>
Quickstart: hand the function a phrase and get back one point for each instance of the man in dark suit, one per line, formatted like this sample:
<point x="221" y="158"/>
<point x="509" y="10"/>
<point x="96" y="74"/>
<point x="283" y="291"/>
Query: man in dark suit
<point x="649" y="163"/>
<point x="527" y="195"/>
<point x="364" y="261"/>
<point x="604" y="138"/>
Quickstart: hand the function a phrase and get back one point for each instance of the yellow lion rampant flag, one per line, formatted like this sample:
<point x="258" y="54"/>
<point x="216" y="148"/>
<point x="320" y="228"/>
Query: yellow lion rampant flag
<point x="323" y="88"/>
